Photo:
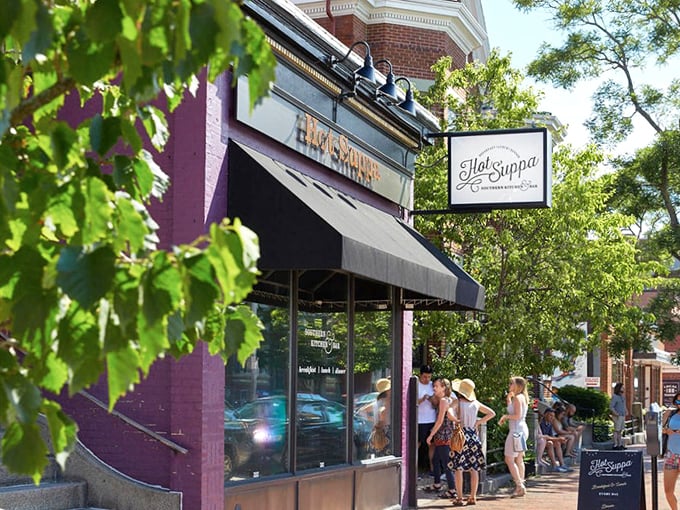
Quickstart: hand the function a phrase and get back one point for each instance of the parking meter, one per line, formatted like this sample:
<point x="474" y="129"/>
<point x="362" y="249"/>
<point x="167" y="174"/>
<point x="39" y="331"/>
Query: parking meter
<point x="653" y="433"/>
<point x="653" y="439"/>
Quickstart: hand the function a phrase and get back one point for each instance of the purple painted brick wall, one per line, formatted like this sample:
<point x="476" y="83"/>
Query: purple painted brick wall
<point x="182" y="400"/>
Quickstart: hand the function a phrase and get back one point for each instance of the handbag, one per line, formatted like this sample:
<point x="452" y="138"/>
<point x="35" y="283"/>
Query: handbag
<point x="457" y="439"/>
<point x="519" y="444"/>
<point x="378" y="439"/>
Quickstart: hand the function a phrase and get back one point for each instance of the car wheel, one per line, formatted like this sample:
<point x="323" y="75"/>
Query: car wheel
<point x="229" y="463"/>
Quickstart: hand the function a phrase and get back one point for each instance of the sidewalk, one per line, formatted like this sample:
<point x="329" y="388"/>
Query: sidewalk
<point x="550" y="491"/>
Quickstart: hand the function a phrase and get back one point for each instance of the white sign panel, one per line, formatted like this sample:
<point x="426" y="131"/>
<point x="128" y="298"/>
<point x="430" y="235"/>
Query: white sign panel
<point x="507" y="169"/>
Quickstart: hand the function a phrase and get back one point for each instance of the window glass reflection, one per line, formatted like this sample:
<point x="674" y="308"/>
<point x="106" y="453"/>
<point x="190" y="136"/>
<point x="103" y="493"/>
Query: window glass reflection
<point x="322" y="385"/>
<point x="256" y="403"/>
<point x="372" y="384"/>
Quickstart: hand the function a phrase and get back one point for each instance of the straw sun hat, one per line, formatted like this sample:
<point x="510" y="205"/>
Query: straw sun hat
<point x="465" y="387"/>
<point x="383" y="385"/>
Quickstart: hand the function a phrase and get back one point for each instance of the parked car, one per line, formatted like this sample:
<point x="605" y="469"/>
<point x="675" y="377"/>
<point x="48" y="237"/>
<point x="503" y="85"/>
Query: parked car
<point x="255" y="434"/>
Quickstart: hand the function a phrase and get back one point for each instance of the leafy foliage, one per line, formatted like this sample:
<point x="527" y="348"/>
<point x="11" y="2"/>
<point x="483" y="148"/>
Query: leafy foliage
<point x="589" y="402"/>
<point x="619" y="40"/>
<point x="545" y="271"/>
<point x="84" y="287"/>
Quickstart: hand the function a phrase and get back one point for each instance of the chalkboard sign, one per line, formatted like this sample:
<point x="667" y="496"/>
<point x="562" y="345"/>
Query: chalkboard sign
<point x="611" y="480"/>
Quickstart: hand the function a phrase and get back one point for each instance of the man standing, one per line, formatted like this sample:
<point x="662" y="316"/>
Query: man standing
<point x="427" y="412"/>
<point x="617" y="407"/>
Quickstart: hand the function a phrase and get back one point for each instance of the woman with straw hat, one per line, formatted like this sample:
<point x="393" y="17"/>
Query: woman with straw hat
<point x="471" y="458"/>
<point x="380" y="440"/>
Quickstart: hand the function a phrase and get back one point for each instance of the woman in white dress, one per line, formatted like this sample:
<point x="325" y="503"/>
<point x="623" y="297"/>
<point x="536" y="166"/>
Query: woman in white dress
<point x="518" y="405"/>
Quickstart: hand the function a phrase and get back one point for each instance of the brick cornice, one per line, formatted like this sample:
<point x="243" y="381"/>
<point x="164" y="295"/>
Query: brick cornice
<point x="451" y="17"/>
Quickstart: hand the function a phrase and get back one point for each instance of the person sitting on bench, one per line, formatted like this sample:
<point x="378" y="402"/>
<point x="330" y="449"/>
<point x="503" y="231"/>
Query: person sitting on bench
<point x="547" y="440"/>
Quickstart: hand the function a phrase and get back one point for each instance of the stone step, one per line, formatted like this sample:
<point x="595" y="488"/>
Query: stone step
<point x="46" y="496"/>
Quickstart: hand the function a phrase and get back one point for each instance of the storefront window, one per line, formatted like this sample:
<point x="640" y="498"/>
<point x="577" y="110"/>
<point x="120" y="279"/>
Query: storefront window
<point x="258" y="415"/>
<point x="256" y="403"/>
<point x="322" y="386"/>
<point x="372" y="377"/>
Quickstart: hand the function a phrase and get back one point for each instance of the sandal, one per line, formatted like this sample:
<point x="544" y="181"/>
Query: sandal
<point x="457" y="502"/>
<point x="471" y="501"/>
<point x="449" y="494"/>
<point x="432" y="488"/>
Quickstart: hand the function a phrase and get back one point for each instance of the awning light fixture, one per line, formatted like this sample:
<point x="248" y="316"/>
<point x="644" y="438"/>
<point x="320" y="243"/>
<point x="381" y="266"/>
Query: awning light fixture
<point x="387" y="91"/>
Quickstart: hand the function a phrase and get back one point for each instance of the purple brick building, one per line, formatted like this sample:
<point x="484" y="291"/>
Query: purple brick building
<point x="322" y="170"/>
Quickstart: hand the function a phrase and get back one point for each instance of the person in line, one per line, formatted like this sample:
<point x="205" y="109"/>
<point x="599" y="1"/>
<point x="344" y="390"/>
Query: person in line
<point x="440" y="437"/>
<point x="560" y="430"/>
<point x="518" y="404"/>
<point x="380" y="442"/>
<point x="549" y="441"/>
<point x="617" y="406"/>
<point x="573" y="426"/>
<point x="427" y="412"/>
<point x="471" y="458"/>
<point x="671" y="465"/>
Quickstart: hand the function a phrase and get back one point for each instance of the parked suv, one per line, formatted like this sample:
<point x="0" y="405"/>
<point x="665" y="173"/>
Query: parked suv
<point x="255" y="434"/>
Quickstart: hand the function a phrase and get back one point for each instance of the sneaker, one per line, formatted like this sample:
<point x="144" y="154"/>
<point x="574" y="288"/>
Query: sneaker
<point x="561" y="469"/>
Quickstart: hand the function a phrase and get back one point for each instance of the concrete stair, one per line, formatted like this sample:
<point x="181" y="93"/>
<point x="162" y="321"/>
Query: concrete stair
<point x="86" y="483"/>
<point x="60" y="495"/>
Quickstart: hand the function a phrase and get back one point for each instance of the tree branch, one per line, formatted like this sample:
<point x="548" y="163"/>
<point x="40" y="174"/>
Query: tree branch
<point x="29" y="106"/>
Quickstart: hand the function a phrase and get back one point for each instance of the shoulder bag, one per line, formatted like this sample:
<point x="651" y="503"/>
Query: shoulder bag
<point x="519" y="444"/>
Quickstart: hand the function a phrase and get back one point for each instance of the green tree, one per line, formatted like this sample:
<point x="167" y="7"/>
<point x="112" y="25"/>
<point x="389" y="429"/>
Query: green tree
<point x="618" y="40"/>
<point x="545" y="271"/>
<point x="83" y="286"/>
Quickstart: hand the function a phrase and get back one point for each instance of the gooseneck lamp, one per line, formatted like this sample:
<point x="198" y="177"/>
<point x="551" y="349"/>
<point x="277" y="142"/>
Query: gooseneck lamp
<point x="408" y="104"/>
<point x="389" y="88"/>
<point x="367" y="71"/>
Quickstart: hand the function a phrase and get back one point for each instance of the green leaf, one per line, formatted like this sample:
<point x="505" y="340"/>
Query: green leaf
<point x="86" y="276"/>
<point x="202" y="289"/>
<point x="104" y="20"/>
<point x="233" y="253"/>
<point x="104" y="133"/>
<point x="123" y="372"/>
<point x="243" y="333"/>
<point x="41" y="36"/>
<point x="63" y="431"/>
<point x="161" y="289"/>
<point x="132" y="228"/>
<point x="57" y="374"/>
<point x="23" y="450"/>
<point x="132" y="62"/>
<point x="23" y="397"/>
<point x="98" y="210"/>
<point x="89" y="61"/>
<point x="26" y="23"/>
<point x="156" y="126"/>
<point x="131" y="135"/>
<point x="63" y="138"/>
<point x="153" y="341"/>
<point x="203" y="30"/>
<point x="60" y="211"/>
<point x="9" y="14"/>
<point x="79" y="348"/>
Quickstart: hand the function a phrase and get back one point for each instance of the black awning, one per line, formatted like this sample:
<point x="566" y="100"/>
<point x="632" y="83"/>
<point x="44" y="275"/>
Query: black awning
<point x="306" y="225"/>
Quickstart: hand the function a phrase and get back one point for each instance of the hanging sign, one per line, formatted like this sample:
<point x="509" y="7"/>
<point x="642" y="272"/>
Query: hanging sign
<point x="504" y="169"/>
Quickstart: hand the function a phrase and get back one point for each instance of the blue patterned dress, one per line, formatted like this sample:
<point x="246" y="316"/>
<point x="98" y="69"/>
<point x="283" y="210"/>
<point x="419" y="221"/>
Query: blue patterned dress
<point x="472" y="456"/>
